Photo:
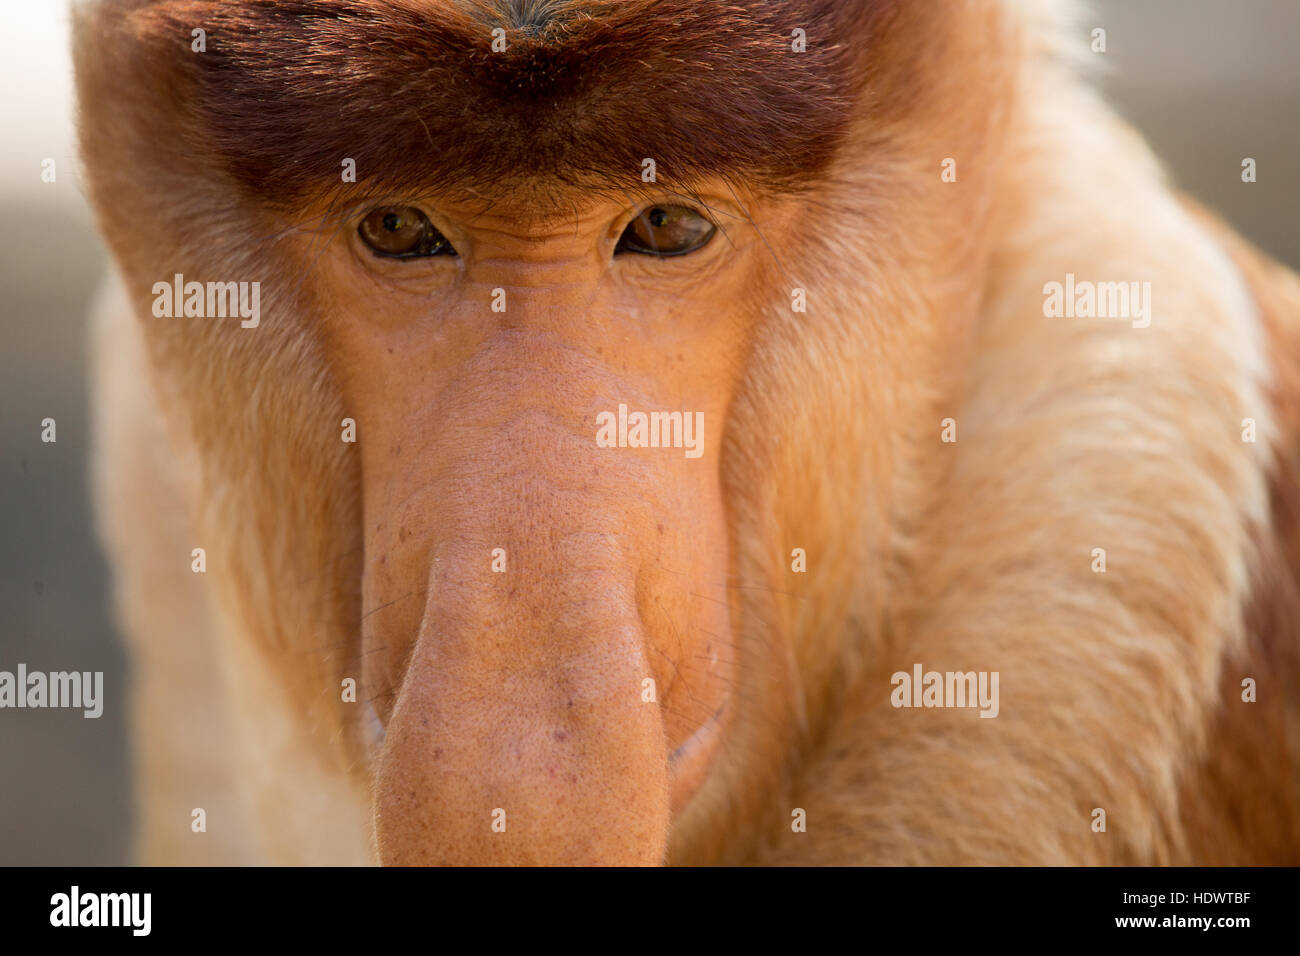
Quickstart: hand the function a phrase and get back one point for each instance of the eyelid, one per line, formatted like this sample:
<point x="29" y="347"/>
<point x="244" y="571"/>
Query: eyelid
<point x="673" y="204"/>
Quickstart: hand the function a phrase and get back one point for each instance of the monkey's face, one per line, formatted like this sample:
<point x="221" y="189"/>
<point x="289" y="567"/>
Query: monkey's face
<point x="625" y="450"/>
<point x="540" y="401"/>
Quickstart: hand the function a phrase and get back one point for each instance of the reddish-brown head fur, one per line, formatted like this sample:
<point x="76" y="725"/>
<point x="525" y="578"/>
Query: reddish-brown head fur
<point x="580" y="94"/>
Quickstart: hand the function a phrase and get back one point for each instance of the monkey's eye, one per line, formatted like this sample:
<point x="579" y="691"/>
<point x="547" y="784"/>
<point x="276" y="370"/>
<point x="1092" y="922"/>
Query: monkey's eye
<point x="666" y="231"/>
<point x="402" y="232"/>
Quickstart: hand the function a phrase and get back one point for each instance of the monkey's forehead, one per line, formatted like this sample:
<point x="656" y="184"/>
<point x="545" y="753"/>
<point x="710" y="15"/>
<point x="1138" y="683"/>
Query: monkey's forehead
<point x="484" y="93"/>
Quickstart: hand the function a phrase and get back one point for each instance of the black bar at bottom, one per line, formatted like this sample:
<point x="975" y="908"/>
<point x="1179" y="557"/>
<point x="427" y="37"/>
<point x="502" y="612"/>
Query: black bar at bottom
<point x="332" y="906"/>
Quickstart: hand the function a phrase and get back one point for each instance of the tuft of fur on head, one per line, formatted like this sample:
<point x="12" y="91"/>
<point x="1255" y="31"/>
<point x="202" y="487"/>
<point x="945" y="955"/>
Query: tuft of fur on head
<point x="531" y="16"/>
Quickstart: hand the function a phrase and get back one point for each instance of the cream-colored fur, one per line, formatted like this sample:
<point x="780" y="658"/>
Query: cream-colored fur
<point x="1073" y="435"/>
<point x="211" y="726"/>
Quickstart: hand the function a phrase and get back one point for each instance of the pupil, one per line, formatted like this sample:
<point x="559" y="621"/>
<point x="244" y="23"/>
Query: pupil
<point x="658" y="217"/>
<point x="392" y="222"/>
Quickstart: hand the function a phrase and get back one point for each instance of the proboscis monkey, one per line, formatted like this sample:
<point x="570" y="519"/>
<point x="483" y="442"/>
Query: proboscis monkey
<point x="625" y="431"/>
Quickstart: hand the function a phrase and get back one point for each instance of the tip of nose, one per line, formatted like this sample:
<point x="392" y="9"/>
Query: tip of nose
<point x="488" y="763"/>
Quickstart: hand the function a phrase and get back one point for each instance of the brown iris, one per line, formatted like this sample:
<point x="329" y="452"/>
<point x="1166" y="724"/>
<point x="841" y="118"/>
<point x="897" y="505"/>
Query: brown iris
<point x="402" y="232"/>
<point x="666" y="231"/>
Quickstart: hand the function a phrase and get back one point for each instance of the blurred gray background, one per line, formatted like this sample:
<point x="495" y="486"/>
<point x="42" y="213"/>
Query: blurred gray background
<point x="1208" y="82"/>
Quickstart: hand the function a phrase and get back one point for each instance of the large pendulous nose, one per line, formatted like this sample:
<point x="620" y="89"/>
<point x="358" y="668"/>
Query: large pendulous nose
<point x="528" y="744"/>
<point x="553" y="707"/>
<point x="521" y="732"/>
